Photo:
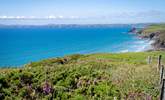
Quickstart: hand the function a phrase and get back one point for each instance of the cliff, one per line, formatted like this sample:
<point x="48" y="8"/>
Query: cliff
<point x="154" y="32"/>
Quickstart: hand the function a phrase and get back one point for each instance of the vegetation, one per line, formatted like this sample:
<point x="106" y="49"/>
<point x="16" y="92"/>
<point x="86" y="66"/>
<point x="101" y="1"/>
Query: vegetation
<point x="154" y="28"/>
<point x="84" y="77"/>
<point x="156" y="32"/>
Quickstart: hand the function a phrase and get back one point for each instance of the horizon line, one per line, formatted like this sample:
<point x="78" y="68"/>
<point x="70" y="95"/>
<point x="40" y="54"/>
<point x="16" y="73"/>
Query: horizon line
<point x="81" y="24"/>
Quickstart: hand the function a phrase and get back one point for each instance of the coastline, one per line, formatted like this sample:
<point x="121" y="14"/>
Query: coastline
<point x="139" y="45"/>
<point x="155" y="34"/>
<point x="70" y="76"/>
<point x="108" y="38"/>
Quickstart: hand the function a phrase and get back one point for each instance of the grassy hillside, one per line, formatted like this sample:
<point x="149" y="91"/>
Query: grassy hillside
<point x="154" y="28"/>
<point x="84" y="77"/>
<point x="156" y="32"/>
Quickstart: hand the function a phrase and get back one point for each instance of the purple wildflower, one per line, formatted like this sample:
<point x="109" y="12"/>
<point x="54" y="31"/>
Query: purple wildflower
<point x="47" y="88"/>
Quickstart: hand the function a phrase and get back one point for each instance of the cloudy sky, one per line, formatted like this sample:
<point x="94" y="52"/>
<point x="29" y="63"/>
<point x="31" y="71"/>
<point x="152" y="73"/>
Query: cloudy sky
<point x="81" y="11"/>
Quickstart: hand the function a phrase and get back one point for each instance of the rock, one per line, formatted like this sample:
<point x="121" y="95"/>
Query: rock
<point x="133" y="30"/>
<point x="151" y="36"/>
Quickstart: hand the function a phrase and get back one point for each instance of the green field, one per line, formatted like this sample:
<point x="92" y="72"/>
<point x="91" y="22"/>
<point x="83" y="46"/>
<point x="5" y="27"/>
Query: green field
<point x="85" y="77"/>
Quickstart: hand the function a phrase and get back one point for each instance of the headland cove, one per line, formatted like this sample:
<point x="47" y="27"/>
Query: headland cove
<point x="21" y="44"/>
<point x="87" y="76"/>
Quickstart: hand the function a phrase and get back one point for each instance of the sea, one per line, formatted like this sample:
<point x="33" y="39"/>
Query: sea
<point x="21" y="44"/>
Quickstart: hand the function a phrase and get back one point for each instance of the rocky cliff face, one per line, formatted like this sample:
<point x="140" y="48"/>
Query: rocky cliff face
<point x="160" y="41"/>
<point x="154" y="33"/>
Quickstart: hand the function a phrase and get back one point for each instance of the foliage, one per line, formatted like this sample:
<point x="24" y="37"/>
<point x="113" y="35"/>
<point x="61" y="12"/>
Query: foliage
<point x="84" y="77"/>
<point x="154" y="28"/>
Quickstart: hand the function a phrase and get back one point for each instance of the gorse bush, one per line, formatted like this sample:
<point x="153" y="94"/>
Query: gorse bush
<point x="84" y="77"/>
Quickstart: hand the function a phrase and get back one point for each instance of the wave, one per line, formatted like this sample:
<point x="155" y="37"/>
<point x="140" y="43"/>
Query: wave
<point x="137" y="46"/>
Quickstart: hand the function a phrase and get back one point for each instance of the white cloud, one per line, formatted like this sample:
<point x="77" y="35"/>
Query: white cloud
<point x="46" y="17"/>
<point x="31" y="17"/>
<point x="74" y="17"/>
<point x="1" y="17"/>
<point x="12" y="17"/>
<point x="51" y="17"/>
<point x="61" y="17"/>
<point x="114" y="17"/>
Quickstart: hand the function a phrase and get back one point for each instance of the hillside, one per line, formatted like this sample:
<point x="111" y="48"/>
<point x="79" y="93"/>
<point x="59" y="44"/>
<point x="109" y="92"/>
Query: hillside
<point x="155" y="32"/>
<point x="84" y="77"/>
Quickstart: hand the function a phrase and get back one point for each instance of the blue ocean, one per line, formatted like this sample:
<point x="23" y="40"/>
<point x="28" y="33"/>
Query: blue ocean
<point x="23" y="44"/>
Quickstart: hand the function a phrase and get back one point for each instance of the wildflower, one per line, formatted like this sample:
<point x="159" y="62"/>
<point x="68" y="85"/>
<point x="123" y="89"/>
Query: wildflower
<point x="47" y="88"/>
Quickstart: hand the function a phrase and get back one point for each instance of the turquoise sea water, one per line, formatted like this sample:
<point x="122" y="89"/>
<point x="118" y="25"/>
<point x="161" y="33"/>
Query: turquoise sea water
<point x="21" y="45"/>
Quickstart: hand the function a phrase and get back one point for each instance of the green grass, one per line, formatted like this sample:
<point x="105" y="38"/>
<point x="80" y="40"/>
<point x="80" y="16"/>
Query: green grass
<point x="158" y="31"/>
<point x="154" y="28"/>
<point x="85" y="77"/>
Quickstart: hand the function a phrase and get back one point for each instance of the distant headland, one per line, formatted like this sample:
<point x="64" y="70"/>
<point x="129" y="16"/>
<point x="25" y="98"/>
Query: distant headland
<point x="155" y="32"/>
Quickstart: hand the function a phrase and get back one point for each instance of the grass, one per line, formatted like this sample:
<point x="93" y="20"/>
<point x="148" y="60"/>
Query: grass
<point x="157" y="33"/>
<point x="85" y="77"/>
<point x="154" y="28"/>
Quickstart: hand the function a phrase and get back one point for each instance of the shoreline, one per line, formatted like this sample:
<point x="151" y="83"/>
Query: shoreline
<point x="155" y="35"/>
<point x="147" y="47"/>
<point x="146" y="44"/>
<point x="150" y="46"/>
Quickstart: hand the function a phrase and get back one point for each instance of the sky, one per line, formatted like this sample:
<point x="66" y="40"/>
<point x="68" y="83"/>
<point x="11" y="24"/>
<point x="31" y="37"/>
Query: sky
<point x="81" y="11"/>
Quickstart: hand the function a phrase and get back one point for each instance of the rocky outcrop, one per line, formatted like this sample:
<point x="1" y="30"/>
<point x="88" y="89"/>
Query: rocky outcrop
<point x="133" y="30"/>
<point x="160" y="41"/>
<point x="158" y="37"/>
